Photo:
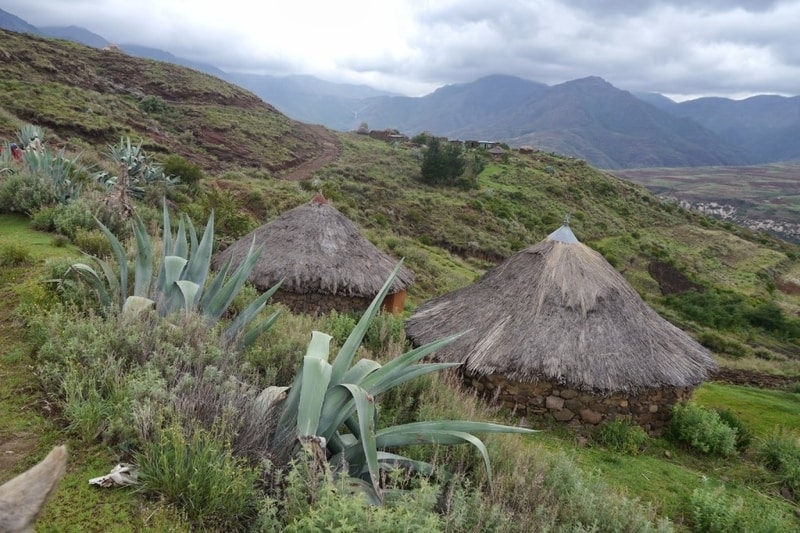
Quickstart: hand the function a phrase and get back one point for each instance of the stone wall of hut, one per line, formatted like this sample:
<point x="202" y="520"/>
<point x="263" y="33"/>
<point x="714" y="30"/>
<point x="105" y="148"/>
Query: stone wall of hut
<point x="650" y="409"/>
<point x="320" y="304"/>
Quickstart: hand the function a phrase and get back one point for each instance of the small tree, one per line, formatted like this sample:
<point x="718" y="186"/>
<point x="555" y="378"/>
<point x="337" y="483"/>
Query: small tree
<point x="442" y="163"/>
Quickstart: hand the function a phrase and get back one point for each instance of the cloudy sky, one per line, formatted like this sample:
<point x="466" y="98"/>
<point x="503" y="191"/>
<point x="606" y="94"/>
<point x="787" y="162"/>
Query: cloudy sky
<point x="683" y="49"/>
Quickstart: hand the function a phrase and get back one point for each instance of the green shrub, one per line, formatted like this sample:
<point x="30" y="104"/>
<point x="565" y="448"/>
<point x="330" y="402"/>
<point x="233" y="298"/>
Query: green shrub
<point x="744" y="435"/>
<point x="621" y="436"/>
<point x="153" y="104"/>
<point x="14" y="255"/>
<point x="386" y="334"/>
<point x="780" y="452"/>
<point x="339" y="326"/>
<point x="318" y="502"/>
<point x="93" y="242"/>
<point x="60" y="241"/>
<point x="189" y="173"/>
<point x="25" y="193"/>
<point x="198" y="472"/>
<point x="714" y="513"/>
<point x="722" y="344"/>
<point x="702" y="429"/>
<point x="71" y="218"/>
<point x="42" y="219"/>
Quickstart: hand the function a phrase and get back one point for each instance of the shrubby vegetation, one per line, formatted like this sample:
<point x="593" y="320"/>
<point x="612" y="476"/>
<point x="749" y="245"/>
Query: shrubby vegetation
<point x="702" y="429"/>
<point x="725" y="310"/>
<point x="443" y="163"/>
<point x="621" y="436"/>
<point x="780" y="452"/>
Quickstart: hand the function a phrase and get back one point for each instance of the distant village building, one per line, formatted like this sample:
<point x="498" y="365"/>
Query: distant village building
<point x="324" y="261"/>
<point x="388" y="135"/>
<point x="556" y="331"/>
<point x="497" y="151"/>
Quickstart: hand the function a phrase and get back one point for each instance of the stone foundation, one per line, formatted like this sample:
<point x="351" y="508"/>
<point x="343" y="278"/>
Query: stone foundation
<point x="319" y="304"/>
<point x="650" y="409"/>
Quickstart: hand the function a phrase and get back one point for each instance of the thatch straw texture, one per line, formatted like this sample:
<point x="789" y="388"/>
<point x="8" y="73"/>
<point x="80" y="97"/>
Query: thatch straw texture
<point x="316" y="249"/>
<point x="559" y="311"/>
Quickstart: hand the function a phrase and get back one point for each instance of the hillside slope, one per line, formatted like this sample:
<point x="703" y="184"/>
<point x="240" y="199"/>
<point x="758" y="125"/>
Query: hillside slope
<point x="97" y="96"/>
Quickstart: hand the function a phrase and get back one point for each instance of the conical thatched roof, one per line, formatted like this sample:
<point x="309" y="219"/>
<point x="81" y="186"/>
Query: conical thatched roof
<point x="316" y="249"/>
<point x="558" y="310"/>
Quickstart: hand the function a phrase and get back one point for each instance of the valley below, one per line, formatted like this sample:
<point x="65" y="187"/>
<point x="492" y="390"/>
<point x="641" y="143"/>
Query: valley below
<point x="760" y="198"/>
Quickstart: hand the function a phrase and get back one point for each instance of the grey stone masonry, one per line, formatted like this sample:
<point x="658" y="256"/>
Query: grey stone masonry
<point x="651" y="409"/>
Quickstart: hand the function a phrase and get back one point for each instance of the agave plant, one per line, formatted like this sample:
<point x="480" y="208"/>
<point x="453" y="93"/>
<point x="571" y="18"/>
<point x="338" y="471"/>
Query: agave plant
<point x="181" y="283"/>
<point x="137" y="170"/>
<point x="28" y="133"/>
<point x="64" y="173"/>
<point x="330" y="408"/>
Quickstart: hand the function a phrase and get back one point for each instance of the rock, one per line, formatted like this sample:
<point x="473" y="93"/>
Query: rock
<point x="653" y="408"/>
<point x="667" y="454"/>
<point x="568" y="394"/>
<point x="591" y="417"/>
<point x="563" y="415"/>
<point x="555" y="403"/>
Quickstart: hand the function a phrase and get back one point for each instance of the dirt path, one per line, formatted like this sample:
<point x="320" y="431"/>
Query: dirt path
<point x="331" y="150"/>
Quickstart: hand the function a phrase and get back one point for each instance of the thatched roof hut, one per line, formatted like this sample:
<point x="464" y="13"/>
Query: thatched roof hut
<point x="558" y="312"/>
<point x="324" y="261"/>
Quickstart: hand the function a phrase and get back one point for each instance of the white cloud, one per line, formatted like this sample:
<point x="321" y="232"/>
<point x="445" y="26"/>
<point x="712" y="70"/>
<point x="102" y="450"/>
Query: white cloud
<point x="715" y="47"/>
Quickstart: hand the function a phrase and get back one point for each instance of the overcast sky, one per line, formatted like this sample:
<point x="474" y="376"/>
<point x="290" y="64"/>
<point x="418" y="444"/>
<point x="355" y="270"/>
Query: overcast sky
<point x="683" y="49"/>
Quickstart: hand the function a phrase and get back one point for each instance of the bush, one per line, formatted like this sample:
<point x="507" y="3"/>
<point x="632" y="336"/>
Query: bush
<point x="744" y="435"/>
<point x="621" y="436"/>
<point x="713" y="513"/>
<point x="339" y="326"/>
<point x="42" y="219"/>
<point x="780" y="452"/>
<point x="25" y="193"/>
<point x="386" y="335"/>
<point x="722" y="344"/>
<point x="189" y="173"/>
<point x="198" y="472"/>
<point x="14" y="255"/>
<point x="316" y="502"/>
<point x="93" y="242"/>
<point x="702" y="429"/>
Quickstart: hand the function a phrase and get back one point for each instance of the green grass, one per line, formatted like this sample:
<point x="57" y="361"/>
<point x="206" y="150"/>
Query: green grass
<point x="762" y="409"/>
<point x="30" y="427"/>
<point x="665" y="474"/>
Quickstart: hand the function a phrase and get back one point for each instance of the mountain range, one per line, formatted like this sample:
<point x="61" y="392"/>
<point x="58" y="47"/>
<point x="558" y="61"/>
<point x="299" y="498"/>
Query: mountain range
<point x="586" y="118"/>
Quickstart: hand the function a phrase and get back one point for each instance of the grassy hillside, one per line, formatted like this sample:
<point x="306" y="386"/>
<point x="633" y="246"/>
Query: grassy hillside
<point x="746" y="313"/>
<point x="89" y="97"/>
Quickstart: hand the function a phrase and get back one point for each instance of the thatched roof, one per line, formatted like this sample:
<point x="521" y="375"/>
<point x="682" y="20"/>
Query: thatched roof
<point x="316" y="249"/>
<point x="558" y="310"/>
